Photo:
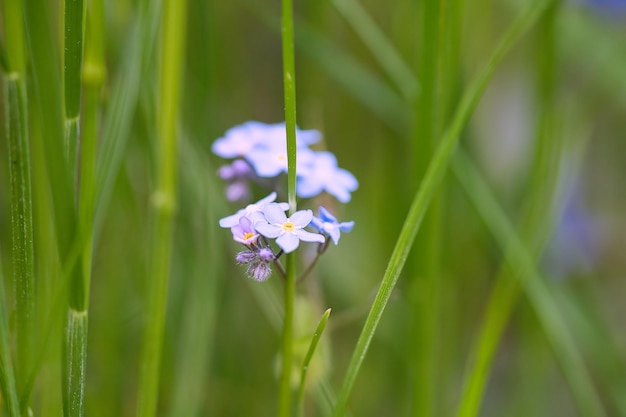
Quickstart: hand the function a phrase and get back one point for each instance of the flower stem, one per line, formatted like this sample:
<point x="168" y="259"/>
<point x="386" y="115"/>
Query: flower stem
<point x="163" y="202"/>
<point x="289" y="82"/>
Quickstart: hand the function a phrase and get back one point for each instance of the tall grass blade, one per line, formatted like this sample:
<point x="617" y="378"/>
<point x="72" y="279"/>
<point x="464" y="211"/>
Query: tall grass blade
<point x="16" y="111"/>
<point x="432" y="179"/>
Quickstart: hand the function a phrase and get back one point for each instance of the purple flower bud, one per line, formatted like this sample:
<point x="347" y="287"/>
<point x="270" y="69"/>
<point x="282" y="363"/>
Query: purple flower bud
<point x="266" y="254"/>
<point x="245" y="257"/>
<point x="241" y="168"/>
<point x="259" y="271"/>
<point x="227" y="172"/>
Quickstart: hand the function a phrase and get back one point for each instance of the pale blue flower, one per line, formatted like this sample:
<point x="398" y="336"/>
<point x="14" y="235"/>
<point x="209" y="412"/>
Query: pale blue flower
<point x="324" y="175"/>
<point x="252" y="211"/>
<point x="271" y="161"/>
<point x="241" y="140"/>
<point x="238" y="140"/>
<point x="328" y="224"/>
<point x="288" y="232"/>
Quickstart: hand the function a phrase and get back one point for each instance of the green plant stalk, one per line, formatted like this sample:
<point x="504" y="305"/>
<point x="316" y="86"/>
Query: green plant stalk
<point x="319" y="330"/>
<point x="74" y="18"/>
<point x="521" y="261"/>
<point x="16" y="116"/>
<point x="7" y="374"/>
<point x="289" y="85"/>
<point x="424" y="263"/>
<point x="533" y="228"/>
<point x="75" y="355"/>
<point x="163" y="201"/>
<point x="432" y="179"/>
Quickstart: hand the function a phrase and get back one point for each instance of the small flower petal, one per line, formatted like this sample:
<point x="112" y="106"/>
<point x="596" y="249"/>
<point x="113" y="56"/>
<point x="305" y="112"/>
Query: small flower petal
<point x="268" y="230"/>
<point x="288" y="242"/>
<point x="308" y="236"/>
<point x="274" y="214"/>
<point x="301" y="218"/>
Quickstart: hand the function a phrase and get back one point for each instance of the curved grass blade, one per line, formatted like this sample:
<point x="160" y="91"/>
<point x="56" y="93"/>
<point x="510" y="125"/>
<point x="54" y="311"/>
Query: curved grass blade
<point x="7" y="375"/>
<point x="432" y="179"/>
<point x="307" y="360"/>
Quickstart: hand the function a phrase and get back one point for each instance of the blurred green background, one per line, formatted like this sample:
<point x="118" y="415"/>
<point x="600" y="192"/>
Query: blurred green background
<point x="222" y="329"/>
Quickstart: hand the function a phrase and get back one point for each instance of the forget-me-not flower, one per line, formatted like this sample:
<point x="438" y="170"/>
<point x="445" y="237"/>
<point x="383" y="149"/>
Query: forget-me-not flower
<point x="252" y="211"/>
<point x="288" y="232"/>
<point x="324" y="175"/>
<point x="328" y="224"/>
<point x="244" y="232"/>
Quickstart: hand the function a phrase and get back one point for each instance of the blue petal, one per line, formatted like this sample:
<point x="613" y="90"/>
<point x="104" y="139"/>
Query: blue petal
<point x="288" y="242"/>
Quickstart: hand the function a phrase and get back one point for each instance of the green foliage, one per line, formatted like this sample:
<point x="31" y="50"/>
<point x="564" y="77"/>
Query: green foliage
<point x="487" y="292"/>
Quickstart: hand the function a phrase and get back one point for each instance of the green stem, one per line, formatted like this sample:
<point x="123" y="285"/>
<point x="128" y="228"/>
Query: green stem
<point x="289" y="82"/>
<point x="76" y="335"/>
<point x="163" y="202"/>
<point x="432" y="179"/>
<point x="16" y="109"/>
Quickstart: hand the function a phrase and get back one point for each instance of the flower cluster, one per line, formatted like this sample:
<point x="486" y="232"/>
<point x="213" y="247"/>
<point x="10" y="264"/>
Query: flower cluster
<point x="259" y="151"/>
<point x="260" y="156"/>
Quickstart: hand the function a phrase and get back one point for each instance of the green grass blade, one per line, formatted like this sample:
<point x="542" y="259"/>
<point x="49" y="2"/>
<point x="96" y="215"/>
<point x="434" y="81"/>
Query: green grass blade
<point x="163" y="201"/>
<point x="16" y="110"/>
<point x="535" y="222"/>
<point x="7" y="375"/>
<point x="521" y="261"/>
<point x="307" y="360"/>
<point x="432" y="179"/>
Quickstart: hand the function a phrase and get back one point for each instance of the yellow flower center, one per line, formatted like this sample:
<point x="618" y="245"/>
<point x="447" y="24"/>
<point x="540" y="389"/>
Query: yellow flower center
<point x="282" y="158"/>
<point x="289" y="227"/>
<point x="248" y="235"/>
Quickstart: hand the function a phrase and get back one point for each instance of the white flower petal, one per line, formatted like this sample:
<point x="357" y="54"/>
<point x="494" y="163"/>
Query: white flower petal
<point x="232" y="220"/>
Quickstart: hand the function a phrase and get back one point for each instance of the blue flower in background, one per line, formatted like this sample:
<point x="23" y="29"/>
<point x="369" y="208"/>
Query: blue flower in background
<point x="328" y="224"/>
<point x="270" y="161"/>
<point x="324" y="175"/>
<point x="288" y="232"/>
<point x="240" y="140"/>
<point x="252" y="211"/>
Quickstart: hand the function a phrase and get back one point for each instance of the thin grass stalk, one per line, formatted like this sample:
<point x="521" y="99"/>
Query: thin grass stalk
<point x="75" y="355"/>
<point x="16" y="116"/>
<point x="521" y="261"/>
<point x="534" y="224"/>
<point x="432" y="179"/>
<point x="163" y="201"/>
<point x="289" y="84"/>
<point x="7" y="373"/>
<point x="424" y="265"/>
<point x="319" y="330"/>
